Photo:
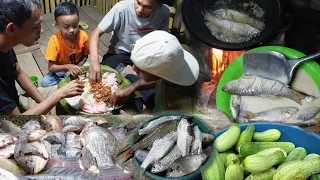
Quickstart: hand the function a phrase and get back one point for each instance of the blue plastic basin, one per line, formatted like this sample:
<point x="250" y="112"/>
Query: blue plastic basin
<point x="294" y="134"/>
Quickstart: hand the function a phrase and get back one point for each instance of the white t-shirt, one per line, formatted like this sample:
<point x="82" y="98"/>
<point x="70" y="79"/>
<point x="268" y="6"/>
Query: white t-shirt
<point x="128" y="28"/>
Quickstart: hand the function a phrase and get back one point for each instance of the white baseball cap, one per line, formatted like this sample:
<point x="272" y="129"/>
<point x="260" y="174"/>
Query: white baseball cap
<point x="161" y="54"/>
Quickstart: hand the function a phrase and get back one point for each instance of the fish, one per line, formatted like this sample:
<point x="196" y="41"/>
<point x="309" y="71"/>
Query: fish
<point x="235" y="103"/>
<point x="158" y="133"/>
<point x="72" y="147"/>
<point x="50" y="123"/>
<point x="229" y="31"/>
<point x="64" y="174"/>
<point x="114" y="173"/>
<point x="7" y="139"/>
<point x="272" y="115"/>
<point x="159" y="148"/>
<point x="257" y="86"/>
<point x="239" y="17"/>
<point x="53" y="141"/>
<point x="87" y="160"/>
<point x="184" y="138"/>
<point x="140" y="155"/>
<point x="207" y="139"/>
<point x="32" y="157"/>
<point x="197" y="143"/>
<point x="31" y="126"/>
<point x="6" y="175"/>
<point x="167" y="160"/>
<point x="154" y="123"/>
<point x="8" y="151"/>
<point x="36" y="135"/>
<point x="9" y="127"/>
<point x="101" y="143"/>
<point x="11" y="166"/>
<point x="186" y="165"/>
<point x="119" y="132"/>
<point x="307" y="113"/>
<point x="74" y="124"/>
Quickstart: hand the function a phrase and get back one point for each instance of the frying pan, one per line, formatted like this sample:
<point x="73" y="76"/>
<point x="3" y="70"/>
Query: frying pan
<point x="193" y="18"/>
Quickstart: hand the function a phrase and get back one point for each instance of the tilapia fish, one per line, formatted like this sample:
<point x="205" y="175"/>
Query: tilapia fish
<point x="207" y="139"/>
<point x="235" y="103"/>
<point x="53" y="141"/>
<point x="10" y="128"/>
<point x="63" y="174"/>
<point x="101" y="144"/>
<point x="32" y="157"/>
<point x="74" y="124"/>
<point x="239" y="17"/>
<point x="159" y="148"/>
<point x="157" y="122"/>
<point x="158" y="133"/>
<point x="50" y="123"/>
<point x="72" y="148"/>
<point x="8" y="151"/>
<point x="307" y="113"/>
<point x="256" y="86"/>
<point x="186" y="165"/>
<point x="229" y="31"/>
<point x="7" y="139"/>
<point x="36" y="135"/>
<point x="31" y="126"/>
<point x="197" y="142"/>
<point x="167" y="160"/>
<point x="272" y="115"/>
<point x="184" y="138"/>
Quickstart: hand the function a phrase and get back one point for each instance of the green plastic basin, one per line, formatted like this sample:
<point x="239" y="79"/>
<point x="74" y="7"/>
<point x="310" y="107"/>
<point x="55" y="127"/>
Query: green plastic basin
<point x="235" y="71"/>
<point x="204" y="127"/>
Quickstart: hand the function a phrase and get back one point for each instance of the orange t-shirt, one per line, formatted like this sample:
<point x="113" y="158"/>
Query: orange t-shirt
<point x="59" y="51"/>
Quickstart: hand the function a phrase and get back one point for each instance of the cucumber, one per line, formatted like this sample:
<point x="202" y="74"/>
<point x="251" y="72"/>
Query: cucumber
<point x="265" y="175"/>
<point x="258" y="163"/>
<point x="228" y="139"/>
<point x="231" y="159"/>
<point x="225" y="154"/>
<point x="298" y="153"/>
<point x="234" y="172"/>
<point x="245" y="136"/>
<point x="270" y="135"/>
<point x="250" y="148"/>
<point x="315" y="177"/>
<point x="216" y="170"/>
<point x="311" y="156"/>
<point x="297" y="169"/>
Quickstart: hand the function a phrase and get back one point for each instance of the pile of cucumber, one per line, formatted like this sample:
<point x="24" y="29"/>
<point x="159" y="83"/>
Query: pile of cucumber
<point x="254" y="155"/>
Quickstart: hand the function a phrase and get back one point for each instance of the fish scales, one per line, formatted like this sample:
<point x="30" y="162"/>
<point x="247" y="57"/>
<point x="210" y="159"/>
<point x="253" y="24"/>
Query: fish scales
<point x="256" y="86"/>
<point x="158" y="133"/>
<point x="154" y="123"/>
<point x="64" y="174"/>
<point x="167" y="160"/>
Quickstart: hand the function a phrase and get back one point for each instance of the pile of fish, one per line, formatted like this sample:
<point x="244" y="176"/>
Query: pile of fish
<point x="267" y="88"/>
<point x="73" y="147"/>
<point x="172" y="147"/>
<point x="231" y="26"/>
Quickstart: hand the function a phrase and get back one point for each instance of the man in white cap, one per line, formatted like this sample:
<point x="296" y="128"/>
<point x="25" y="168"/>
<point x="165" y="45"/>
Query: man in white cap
<point x="161" y="63"/>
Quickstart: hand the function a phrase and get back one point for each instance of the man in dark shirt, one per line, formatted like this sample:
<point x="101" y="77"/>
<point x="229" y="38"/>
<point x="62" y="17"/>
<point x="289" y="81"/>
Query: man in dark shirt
<point x="20" y="23"/>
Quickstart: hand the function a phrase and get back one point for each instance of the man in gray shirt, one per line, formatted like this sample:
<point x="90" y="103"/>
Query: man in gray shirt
<point x="129" y="20"/>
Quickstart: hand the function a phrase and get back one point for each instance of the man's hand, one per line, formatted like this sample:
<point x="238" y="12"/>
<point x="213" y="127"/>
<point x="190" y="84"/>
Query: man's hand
<point x="94" y="73"/>
<point x="74" y="88"/>
<point x="74" y="70"/>
<point x="121" y="95"/>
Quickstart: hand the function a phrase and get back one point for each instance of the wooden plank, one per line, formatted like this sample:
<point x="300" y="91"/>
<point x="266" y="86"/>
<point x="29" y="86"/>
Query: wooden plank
<point x="29" y="65"/>
<point x="42" y="6"/>
<point x="44" y="38"/>
<point x="41" y="62"/>
<point x="88" y="2"/>
<point x="78" y="2"/>
<point x="83" y="3"/>
<point x="58" y="2"/>
<point x="20" y="49"/>
<point x="105" y="38"/>
<point x="47" y="5"/>
<point x="52" y="5"/>
<point x="93" y="12"/>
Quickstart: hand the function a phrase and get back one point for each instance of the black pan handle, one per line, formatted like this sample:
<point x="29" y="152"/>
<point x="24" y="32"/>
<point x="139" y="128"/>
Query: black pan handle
<point x="284" y="23"/>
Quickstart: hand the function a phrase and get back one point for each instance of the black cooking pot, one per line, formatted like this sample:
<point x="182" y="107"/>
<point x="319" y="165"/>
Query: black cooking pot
<point x="193" y="18"/>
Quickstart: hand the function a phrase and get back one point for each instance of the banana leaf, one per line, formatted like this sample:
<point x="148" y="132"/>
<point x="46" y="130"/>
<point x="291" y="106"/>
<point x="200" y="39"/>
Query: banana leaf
<point x="123" y="82"/>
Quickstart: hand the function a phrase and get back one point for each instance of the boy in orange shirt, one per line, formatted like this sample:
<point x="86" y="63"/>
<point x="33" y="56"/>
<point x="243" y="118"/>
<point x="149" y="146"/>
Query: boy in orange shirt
<point x="67" y="49"/>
